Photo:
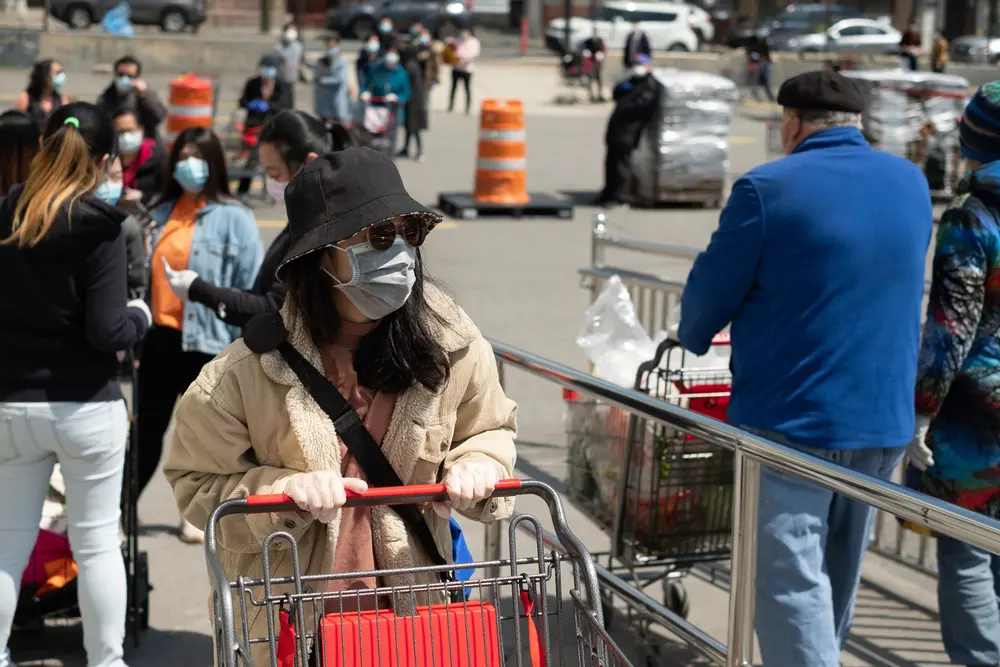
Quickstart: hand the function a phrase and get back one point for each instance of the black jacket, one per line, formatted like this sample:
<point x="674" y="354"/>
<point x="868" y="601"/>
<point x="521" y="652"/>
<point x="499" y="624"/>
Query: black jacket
<point x="237" y="307"/>
<point x="149" y="177"/>
<point x="281" y="99"/>
<point x="62" y="310"/>
<point x="416" y="106"/>
<point x="636" y="100"/>
<point x="634" y="48"/>
<point x="147" y="106"/>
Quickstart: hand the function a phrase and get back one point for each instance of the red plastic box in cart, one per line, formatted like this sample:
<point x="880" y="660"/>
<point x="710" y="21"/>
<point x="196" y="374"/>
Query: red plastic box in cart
<point x="515" y="618"/>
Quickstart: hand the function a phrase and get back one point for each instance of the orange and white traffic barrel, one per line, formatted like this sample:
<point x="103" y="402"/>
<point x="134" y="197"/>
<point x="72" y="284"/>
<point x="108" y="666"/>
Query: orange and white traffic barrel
<point x="501" y="176"/>
<point x="189" y="105"/>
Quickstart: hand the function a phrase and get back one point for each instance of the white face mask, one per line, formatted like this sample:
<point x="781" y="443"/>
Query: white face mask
<point x="381" y="280"/>
<point x="391" y="59"/>
<point x="291" y="35"/>
<point x="275" y="189"/>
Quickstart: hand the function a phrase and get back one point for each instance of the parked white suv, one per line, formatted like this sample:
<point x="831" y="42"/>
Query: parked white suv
<point x="670" y="26"/>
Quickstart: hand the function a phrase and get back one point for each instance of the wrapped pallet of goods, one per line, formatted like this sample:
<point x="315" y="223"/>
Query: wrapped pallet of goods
<point x="915" y="115"/>
<point x="683" y="156"/>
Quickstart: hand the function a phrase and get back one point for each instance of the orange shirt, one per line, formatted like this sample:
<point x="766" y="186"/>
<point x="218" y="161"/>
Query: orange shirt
<point x="174" y="244"/>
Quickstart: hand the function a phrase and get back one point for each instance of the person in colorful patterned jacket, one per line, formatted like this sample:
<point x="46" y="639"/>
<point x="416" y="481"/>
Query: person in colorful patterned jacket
<point x="957" y="444"/>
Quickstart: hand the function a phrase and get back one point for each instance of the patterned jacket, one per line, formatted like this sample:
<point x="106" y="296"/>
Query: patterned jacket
<point x="958" y="384"/>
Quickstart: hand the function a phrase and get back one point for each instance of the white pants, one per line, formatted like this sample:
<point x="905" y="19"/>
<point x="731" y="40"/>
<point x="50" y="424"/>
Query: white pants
<point x="88" y="440"/>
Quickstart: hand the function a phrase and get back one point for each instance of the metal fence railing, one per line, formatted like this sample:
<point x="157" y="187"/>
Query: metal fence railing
<point x="750" y="453"/>
<point x="654" y="298"/>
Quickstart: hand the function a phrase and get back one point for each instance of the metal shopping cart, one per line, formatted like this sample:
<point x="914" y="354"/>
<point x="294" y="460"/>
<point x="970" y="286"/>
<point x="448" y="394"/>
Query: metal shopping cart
<point x="543" y="608"/>
<point x="378" y="119"/>
<point x="664" y="497"/>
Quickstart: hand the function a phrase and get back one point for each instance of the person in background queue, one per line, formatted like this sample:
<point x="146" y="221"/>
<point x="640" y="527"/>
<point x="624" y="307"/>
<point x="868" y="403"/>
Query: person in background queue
<point x="290" y="140"/>
<point x="595" y="51"/>
<point x="636" y="99"/>
<point x="44" y="93"/>
<point x="62" y="260"/>
<point x="291" y="54"/>
<point x="636" y="44"/>
<point x="939" y="53"/>
<point x="910" y="47"/>
<point x="403" y="354"/>
<point x="143" y="158"/>
<point x="823" y="292"/>
<point x="367" y="59"/>
<point x="332" y="101"/>
<point x="759" y="65"/>
<point x="387" y="37"/>
<point x="201" y="228"/>
<point x="466" y="49"/>
<point x="21" y="139"/>
<point x="428" y="59"/>
<point x="263" y="96"/>
<point x="128" y="90"/>
<point x="956" y="448"/>
<point x="389" y="82"/>
<point x="135" y="237"/>
<point x="415" y="109"/>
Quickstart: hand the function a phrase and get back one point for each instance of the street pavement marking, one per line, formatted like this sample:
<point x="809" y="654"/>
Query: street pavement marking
<point x="278" y="224"/>
<point x="742" y="140"/>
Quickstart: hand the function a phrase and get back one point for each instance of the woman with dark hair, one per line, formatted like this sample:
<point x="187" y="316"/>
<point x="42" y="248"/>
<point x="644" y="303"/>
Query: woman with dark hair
<point x="62" y="258"/>
<point x="21" y="139"/>
<point x="44" y="92"/>
<point x="289" y="140"/>
<point x="198" y="227"/>
<point x="143" y="158"/>
<point x="401" y="352"/>
<point x="263" y="96"/>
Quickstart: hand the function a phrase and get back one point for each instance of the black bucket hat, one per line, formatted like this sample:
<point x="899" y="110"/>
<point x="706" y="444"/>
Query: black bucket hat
<point x="340" y="193"/>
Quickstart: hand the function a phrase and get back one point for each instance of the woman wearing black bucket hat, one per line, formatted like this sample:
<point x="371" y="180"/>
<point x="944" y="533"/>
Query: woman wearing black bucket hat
<point x="409" y="361"/>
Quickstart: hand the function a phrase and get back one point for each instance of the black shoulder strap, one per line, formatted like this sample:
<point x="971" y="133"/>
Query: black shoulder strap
<point x="360" y="444"/>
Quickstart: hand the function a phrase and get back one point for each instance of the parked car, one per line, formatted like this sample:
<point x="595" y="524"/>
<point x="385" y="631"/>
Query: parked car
<point x="973" y="49"/>
<point x="444" y="18"/>
<point x="668" y="25"/>
<point x="808" y="18"/>
<point x="850" y="35"/>
<point x="170" y="15"/>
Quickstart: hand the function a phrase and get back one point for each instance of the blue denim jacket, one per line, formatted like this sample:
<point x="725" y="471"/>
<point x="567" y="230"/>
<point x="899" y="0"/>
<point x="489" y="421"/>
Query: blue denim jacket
<point x="226" y="251"/>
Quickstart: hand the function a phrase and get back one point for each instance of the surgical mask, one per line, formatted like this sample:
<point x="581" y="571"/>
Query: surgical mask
<point x="58" y="80"/>
<point x="333" y="53"/>
<point x="269" y="72"/>
<point x="381" y="280"/>
<point x="425" y="39"/>
<point x="191" y="174"/>
<point x="123" y="83"/>
<point x="109" y="191"/>
<point x="415" y="32"/>
<point x="391" y="59"/>
<point x="291" y="35"/>
<point x="275" y="189"/>
<point x="372" y="47"/>
<point x="384" y="27"/>
<point x="129" y="143"/>
<point x="640" y="70"/>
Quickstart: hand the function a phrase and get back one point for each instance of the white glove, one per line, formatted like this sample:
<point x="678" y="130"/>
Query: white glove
<point x="919" y="453"/>
<point x="365" y="96"/>
<point x="139" y="304"/>
<point x="469" y="484"/>
<point x="391" y="97"/>
<point x="322" y="493"/>
<point x="180" y="281"/>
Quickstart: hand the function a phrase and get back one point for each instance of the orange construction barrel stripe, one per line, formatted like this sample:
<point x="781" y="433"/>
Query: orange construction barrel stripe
<point x="190" y="104"/>
<point x="502" y="156"/>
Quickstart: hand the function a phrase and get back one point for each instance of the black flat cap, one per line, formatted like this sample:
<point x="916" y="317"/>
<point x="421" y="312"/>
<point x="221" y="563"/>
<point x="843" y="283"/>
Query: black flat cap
<point x="340" y="193"/>
<point x="821" y="90"/>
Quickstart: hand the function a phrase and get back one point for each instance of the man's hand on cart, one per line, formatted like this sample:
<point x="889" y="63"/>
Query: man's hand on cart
<point x="365" y="96"/>
<point x="391" y="97"/>
<point x="920" y="454"/>
<point x="322" y="493"/>
<point x="468" y="484"/>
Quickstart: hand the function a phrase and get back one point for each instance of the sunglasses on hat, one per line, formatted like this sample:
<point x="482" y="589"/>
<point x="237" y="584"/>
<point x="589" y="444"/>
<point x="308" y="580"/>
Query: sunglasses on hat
<point x="413" y="229"/>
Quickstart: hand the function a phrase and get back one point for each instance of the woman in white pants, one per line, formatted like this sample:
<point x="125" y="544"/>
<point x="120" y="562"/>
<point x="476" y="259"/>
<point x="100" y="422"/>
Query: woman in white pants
<point x="64" y="317"/>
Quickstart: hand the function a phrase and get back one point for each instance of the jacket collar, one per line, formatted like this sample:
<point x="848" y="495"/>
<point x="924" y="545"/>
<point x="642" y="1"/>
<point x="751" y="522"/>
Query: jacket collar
<point x="162" y="212"/>
<point x="830" y="138"/>
<point x="984" y="179"/>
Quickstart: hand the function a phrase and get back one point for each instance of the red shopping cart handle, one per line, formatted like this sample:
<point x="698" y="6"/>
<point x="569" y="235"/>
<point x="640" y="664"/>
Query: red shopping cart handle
<point x="382" y="100"/>
<point x="389" y="495"/>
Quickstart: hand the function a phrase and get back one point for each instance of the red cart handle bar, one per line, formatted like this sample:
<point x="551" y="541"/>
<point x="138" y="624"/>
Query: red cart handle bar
<point x="386" y="495"/>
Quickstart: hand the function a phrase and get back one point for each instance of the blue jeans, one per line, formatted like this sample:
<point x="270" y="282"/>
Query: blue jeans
<point x="810" y="544"/>
<point x="968" y="593"/>
<point x="88" y="441"/>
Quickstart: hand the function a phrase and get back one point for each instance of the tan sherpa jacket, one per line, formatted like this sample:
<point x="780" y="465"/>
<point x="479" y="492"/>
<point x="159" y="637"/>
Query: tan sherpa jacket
<point x="246" y="425"/>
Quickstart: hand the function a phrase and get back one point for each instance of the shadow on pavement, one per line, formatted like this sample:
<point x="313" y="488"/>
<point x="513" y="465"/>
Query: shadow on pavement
<point x="60" y="644"/>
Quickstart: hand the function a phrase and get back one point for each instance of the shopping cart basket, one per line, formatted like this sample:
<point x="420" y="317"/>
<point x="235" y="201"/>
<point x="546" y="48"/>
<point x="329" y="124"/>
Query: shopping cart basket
<point x="519" y="617"/>
<point x="664" y="497"/>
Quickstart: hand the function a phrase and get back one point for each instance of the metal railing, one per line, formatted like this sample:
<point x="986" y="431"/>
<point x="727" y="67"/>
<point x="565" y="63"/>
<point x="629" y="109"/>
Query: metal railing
<point x="750" y="452"/>
<point x="655" y="297"/>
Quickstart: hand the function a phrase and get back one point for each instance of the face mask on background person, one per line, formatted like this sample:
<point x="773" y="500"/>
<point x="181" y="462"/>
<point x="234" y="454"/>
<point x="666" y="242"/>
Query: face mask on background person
<point x="291" y="35"/>
<point x="385" y="26"/>
<point x="640" y="70"/>
<point x="109" y="191"/>
<point x="269" y="72"/>
<point x="191" y="174"/>
<point x="372" y="46"/>
<point x="391" y="59"/>
<point x="333" y="52"/>
<point x="425" y="39"/>
<point x="123" y="83"/>
<point x="129" y="143"/>
<point x="58" y="80"/>
<point x="275" y="189"/>
<point x="381" y="280"/>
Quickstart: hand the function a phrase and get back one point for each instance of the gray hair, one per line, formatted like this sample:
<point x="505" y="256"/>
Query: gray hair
<point x="824" y="119"/>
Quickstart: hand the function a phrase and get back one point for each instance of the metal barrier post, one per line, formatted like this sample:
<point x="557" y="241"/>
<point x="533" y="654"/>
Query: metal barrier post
<point x="493" y="531"/>
<point x="746" y="496"/>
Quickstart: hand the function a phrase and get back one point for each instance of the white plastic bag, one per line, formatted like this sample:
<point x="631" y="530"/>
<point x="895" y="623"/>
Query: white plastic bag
<point x="612" y="337"/>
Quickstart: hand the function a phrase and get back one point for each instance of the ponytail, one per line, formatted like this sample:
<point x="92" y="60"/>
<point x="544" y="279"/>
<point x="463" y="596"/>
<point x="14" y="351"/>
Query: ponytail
<point x="343" y="136"/>
<point x="76" y="137"/>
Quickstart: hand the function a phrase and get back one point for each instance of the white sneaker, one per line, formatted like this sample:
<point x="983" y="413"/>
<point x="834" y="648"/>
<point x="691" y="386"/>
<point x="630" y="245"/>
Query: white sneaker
<point x="190" y="534"/>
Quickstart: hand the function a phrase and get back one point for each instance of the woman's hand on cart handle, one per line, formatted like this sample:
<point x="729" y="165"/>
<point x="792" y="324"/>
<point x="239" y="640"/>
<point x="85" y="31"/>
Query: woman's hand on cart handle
<point x="389" y="495"/>
<point x="322" y="493"/>
<point x="469" y="483"/>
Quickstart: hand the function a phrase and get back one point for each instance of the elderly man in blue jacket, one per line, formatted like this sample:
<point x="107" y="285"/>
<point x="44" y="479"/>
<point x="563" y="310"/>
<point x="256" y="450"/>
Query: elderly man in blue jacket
<point x="818" y="265"/>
